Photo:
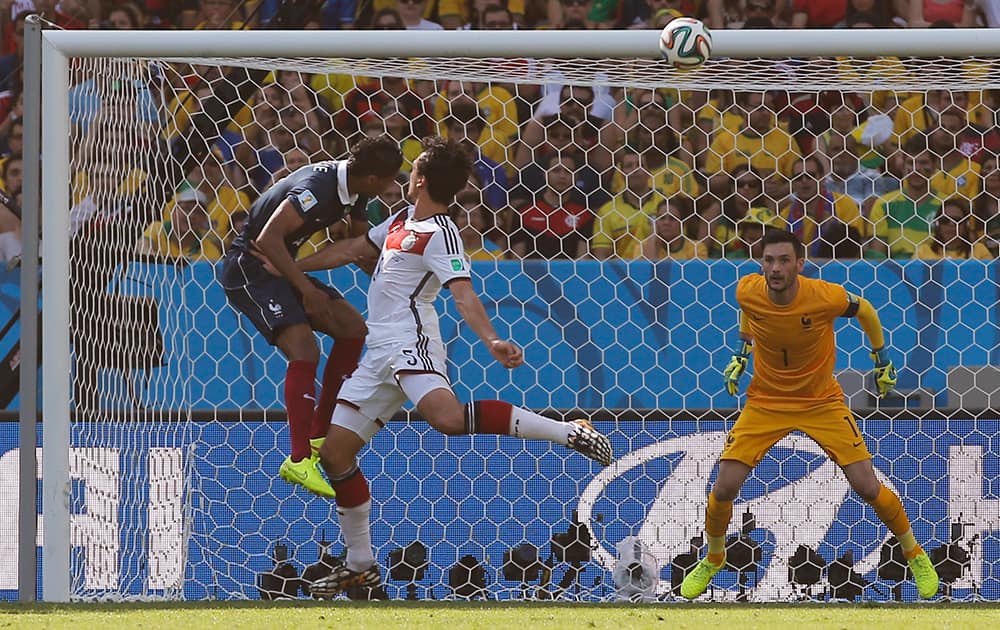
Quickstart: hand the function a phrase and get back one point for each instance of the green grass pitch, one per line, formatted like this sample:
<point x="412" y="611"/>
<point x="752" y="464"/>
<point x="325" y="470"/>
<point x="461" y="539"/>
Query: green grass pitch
<point x="494" y="616"/>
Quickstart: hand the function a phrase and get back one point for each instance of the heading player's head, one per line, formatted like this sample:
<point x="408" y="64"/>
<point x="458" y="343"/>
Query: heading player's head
<point x="782" y="258"/>
<point x="373" y="164"/>
<point x="440" y="171"/>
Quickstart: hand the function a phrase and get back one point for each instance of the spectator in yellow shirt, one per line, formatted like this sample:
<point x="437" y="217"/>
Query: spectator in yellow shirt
<point x="645" y="122"/>
<point x="624" y="222"/>
<point x="669" y="237"/>
<point x="958" y="175"/>
<point x="902" y="219"/>
<point x="760" y="143"/>
<point x="750" y="230"/>
<point x="187" y="234"/>
<point x="222" y="200"/>
<point x="953" y="235"/>
<point x="496" y="106"/>
<point x="919" y="112"/>
<point x="455" y="14"/>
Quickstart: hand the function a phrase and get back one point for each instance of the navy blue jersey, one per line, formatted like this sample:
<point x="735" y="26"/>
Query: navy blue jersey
<point x="314" y="190"/>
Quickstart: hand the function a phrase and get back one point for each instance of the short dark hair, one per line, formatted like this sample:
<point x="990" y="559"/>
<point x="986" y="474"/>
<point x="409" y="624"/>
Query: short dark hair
<point x="547" y="160"/>
<point x="838" y="240"/>
<point x="773" y="236"/>
<point x="388" y="11"/>
<point x="495" y="8"/>
<point x="5" y="166"/>
<point x="917" y="143"/>
<point x="133" y="11"/>
<point x="379" y="156"/>
<point x="446" y="165"/>
<point x="757" y="22"/>
<point x="465" y="112"/>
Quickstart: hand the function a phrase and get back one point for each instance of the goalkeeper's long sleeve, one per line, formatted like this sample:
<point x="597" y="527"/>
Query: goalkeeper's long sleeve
<point x="870" y="323"/>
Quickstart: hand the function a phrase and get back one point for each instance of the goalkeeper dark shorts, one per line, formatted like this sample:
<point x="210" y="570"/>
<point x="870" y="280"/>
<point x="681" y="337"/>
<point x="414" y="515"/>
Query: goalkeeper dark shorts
<point x="832" y="426"/>
<point x="270" y="302"/>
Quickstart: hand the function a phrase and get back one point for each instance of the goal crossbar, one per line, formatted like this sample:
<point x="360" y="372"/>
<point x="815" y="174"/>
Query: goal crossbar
<point x="613" y="44"/>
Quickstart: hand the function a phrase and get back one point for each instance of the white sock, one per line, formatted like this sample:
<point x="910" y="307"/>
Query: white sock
<point x="527" y="424"/>
<point x="355" y="525"/>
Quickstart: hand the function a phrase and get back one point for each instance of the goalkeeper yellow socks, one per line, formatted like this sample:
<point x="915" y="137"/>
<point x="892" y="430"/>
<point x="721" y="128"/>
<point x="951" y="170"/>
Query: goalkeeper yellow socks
<point x="718" y="514"/>
<point x="909" y="544"/>
<point x="890" y="510"/>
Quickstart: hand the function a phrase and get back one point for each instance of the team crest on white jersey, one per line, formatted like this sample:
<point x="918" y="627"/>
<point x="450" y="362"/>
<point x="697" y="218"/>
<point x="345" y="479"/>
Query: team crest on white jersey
<point x="408" y="242"/>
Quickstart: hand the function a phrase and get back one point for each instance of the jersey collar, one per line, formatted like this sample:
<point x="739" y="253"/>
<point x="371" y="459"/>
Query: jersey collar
<point x="346" y="198"/>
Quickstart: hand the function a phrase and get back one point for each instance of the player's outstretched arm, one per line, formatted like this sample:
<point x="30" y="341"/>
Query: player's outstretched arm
<point x="357" y="250"/>
<point x="470" y="307"/>
<point x="885" y="371"/>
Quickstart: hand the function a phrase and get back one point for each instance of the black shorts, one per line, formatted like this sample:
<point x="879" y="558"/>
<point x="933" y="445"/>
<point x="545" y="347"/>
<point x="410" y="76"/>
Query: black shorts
<point x="271" y="302"/>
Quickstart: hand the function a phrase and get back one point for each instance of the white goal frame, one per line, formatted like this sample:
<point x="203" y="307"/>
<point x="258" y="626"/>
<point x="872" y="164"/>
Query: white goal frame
<point x="47" y="71"/>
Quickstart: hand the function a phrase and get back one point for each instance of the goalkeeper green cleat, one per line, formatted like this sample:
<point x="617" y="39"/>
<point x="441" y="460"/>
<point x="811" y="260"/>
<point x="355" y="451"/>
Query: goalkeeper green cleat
<point x="696" y="582"/>
<point x="306" y="473"/>
<point x="315" y="444"/>
<point x="924" y="575"/>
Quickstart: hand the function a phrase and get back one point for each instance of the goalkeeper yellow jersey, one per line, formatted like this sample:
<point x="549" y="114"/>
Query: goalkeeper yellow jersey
<point x="794" y="351"/>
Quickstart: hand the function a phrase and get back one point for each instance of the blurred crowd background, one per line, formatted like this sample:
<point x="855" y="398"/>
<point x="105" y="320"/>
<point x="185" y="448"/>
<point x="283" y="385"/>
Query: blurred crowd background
<point x="562" y="171"/>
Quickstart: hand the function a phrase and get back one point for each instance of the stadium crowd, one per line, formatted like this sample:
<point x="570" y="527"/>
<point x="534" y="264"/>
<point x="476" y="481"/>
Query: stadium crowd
<point x="560" y="171"/>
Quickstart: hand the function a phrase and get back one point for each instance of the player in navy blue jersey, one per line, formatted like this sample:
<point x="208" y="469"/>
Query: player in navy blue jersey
<point x="287" y="308"/>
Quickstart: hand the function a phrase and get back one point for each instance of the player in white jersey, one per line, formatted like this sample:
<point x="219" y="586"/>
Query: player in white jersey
<point x="419" y="251"/>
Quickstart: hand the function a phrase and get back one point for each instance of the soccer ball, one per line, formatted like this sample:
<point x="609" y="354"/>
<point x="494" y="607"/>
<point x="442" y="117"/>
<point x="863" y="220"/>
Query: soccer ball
<point x="685" y="42"/>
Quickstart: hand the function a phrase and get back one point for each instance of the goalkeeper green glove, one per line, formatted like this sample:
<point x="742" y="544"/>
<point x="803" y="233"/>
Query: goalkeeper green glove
<point x="885" y="372"/>
<point x="737" y="366"/>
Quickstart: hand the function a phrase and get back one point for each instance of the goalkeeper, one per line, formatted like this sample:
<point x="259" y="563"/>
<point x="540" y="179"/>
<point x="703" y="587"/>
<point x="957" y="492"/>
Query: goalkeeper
<point x="789" y="322"/>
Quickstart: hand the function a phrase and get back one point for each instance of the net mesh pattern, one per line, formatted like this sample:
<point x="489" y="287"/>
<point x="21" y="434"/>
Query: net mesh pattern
<point x="178" y="427"/>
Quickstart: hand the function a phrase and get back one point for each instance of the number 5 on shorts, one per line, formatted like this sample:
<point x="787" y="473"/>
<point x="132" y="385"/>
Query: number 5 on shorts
<point x="411" y="356"/>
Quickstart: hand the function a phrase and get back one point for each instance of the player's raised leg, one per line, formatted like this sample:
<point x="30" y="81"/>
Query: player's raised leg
<point x="298" y="343"/>
<point x="888" y="507"/>
<point x="444" y="412"/>
<point x="718" y="515"/>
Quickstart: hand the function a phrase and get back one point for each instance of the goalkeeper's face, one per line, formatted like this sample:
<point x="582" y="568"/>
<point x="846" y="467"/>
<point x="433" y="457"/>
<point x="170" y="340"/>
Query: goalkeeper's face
<point x="781" y="267"/>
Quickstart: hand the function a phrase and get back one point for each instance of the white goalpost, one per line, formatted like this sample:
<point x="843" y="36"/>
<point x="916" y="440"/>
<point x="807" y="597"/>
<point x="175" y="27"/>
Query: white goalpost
<point x="161" y="409"/>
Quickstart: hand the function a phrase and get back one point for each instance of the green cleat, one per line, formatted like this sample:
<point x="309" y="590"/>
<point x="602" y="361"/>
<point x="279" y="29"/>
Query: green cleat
<point x="924" y="575"/>
<point x="697" y="580"/>
<point x="315" y="444"/>
<point x="306" y="473"/>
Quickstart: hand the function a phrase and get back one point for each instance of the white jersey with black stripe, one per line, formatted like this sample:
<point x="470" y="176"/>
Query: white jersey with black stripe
<point x="418" y="257"/>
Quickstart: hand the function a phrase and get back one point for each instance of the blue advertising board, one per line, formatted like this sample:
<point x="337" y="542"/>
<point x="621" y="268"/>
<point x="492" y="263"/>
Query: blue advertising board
<point x="596" y="335"/>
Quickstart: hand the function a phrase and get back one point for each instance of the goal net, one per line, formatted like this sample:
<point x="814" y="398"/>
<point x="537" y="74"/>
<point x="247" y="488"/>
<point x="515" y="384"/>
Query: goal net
<point x="615" y="204"/>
